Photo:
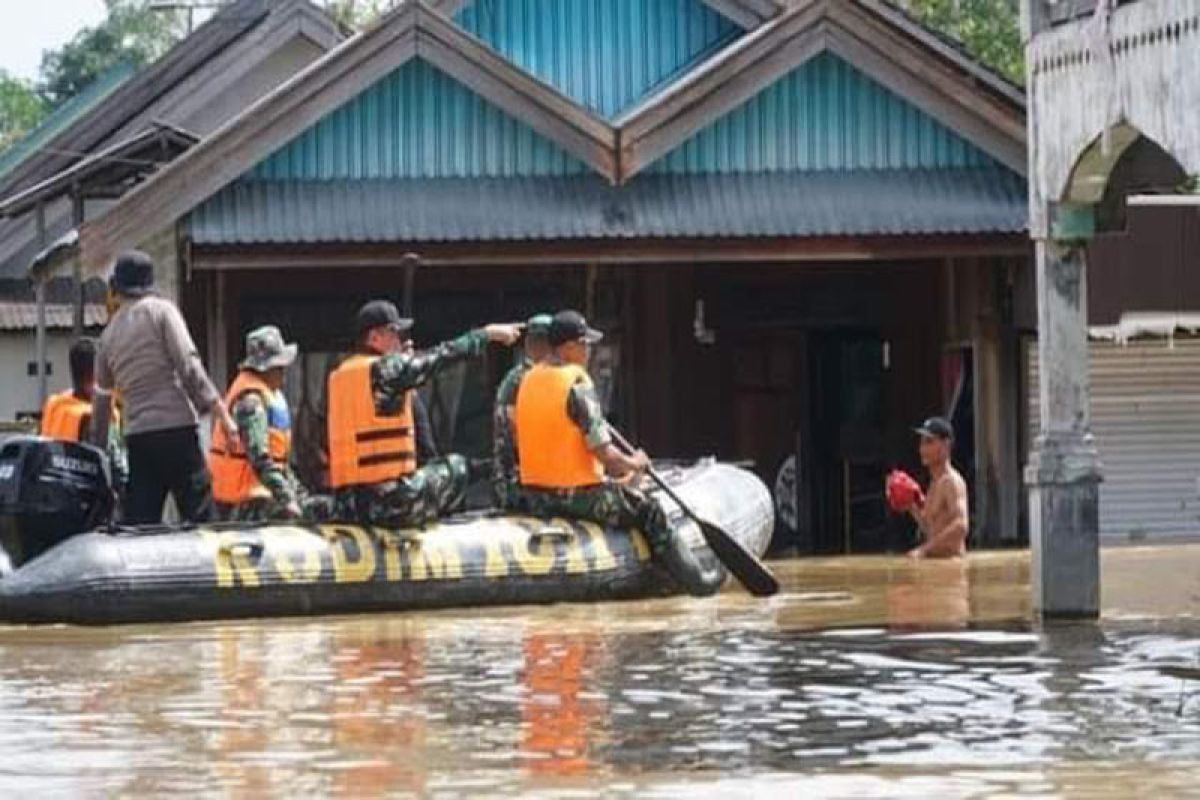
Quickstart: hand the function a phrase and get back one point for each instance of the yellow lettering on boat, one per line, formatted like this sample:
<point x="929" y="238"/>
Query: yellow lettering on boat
<point x="576" y="557"/>
<point x="232" y="560"/>
<point x="535" y="555"/>
<point x="309" y="570"/>
<point x="495" y="565"/>
<point x="392" y="544"/>
<point x="602" y="554"/>
<point x="437" y="561"/>
<point x="346" y="569"/>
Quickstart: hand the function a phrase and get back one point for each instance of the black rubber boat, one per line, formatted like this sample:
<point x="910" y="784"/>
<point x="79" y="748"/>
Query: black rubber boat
<point x="49" y="490"/>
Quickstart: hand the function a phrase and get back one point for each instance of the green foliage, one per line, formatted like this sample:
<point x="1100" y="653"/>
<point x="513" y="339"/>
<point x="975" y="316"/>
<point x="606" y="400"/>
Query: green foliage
<point x="989" y="29"/>
<point x="131" y="33"/>
<point x="21" y="109"/>
<point x="357" y="14"/>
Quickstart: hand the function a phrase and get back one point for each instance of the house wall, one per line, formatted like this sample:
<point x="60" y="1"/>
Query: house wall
<point x="19" y="389"/>
<point x="750" y="394"/>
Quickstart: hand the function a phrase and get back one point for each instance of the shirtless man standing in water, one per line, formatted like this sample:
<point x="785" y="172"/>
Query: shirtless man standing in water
<point x="943" y="518"/>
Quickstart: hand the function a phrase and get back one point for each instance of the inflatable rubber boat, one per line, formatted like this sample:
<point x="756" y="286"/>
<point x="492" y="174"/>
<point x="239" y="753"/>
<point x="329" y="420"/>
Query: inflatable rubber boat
<point x="50" y="491"/>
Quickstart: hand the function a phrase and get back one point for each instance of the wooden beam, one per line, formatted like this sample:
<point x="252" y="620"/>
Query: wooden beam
<point x="936" y="80"/>
<point x="1001" y="136"/>
<point x="775" y="251"/>
<point x="539" y="105"/>
<point x="737" y="13"/>
<point x="903" y="22"/>
<point x="715" y="88"/>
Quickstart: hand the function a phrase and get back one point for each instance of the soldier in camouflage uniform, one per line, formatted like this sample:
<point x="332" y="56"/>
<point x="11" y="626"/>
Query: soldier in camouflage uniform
<point x="505" y="482"/>
<point x="432" y="489"/>
<point x="264" y="431"/>
<point x="557" y="479"/>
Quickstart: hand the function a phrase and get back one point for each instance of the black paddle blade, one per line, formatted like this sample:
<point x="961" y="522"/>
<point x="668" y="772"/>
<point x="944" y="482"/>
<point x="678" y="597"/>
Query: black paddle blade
<point x="745" y="566"/>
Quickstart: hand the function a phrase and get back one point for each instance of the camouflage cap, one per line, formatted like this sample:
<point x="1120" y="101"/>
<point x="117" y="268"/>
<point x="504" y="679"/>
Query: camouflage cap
<point x="265" y="349"/>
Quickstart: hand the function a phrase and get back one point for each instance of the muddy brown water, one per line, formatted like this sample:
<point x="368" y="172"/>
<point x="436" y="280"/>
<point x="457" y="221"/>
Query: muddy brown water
<point x="867" y="677"/>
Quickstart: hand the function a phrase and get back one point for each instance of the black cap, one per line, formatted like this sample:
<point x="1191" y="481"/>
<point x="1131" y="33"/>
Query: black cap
<point x="133" y="274"/>
<point x="571" y="326"/>
<point x="381" y="313"/>
<point x="935" y="428"/>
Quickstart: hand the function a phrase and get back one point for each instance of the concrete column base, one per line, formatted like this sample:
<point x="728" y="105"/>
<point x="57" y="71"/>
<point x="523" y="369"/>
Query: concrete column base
<point x="1063" y="477"/>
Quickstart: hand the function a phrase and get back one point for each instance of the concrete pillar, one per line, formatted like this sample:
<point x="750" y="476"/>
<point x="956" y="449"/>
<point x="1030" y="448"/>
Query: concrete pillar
<point x="1064" y="471"/>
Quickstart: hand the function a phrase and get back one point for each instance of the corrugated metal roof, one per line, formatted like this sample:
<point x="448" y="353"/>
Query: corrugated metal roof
<point x="59" y="316"/>
<point x="824" y="115"/>
<point x="604" y="55"/>
<point x="862" y="202"/>
<point x="65" y="116"/>
<point x="418" y="122"/>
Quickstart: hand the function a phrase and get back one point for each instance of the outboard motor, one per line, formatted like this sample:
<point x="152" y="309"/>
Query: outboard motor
<point x="49" y="491"/>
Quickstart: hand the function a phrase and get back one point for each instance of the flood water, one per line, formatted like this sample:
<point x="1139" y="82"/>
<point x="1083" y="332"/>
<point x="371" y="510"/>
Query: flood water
<point x="866" y="677"/>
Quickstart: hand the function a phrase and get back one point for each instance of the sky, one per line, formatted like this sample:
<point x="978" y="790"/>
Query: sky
<point x="27" y="27"/>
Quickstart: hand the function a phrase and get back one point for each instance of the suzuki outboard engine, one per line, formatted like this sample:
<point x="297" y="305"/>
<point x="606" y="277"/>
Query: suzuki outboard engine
<point x="49" y="491"/>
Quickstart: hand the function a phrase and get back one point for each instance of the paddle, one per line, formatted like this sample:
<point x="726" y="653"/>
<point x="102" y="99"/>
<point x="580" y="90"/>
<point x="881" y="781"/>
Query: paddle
<point x="745" y="566"/>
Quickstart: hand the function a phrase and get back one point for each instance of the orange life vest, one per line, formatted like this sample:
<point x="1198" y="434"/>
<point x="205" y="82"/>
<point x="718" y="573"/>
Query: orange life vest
<point x="63" y="416"/>
<point x="553" y="452"/>
<point x="233" y="477"/>
<point x="364" y="447"/>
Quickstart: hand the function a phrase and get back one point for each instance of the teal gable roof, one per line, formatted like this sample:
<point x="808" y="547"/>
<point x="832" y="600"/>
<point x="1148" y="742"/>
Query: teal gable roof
<point x="825" y="115"/>
<point x="605" y="54"/>
<point x="417" y="123"/>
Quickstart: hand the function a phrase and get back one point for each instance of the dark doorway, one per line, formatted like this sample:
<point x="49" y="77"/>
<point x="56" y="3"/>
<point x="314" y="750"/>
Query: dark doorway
<point x="847" y="423"/>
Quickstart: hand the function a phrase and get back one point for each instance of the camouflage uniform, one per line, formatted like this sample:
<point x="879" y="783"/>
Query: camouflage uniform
<point x="505" y="482"/>
<point x="436" y="488"/>
<point x="250" y="414"/>
<point x="609" y="504"/>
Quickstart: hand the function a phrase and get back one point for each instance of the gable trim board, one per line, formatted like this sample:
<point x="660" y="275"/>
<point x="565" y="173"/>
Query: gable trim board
<point x="936" y="85"/>
<point x="747" y="14"/>
<point x="787" y="42"/>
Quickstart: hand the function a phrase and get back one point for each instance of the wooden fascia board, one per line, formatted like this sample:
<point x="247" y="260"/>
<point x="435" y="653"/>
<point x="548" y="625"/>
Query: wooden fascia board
<point x="237" y="146"/>
<point x="562" y="252"/>
<point x="889" y="56"/>
<point x="904" y="67"/>
<point x="714" y="89"/>
<point x="901" y="21"/>
<point x="543" y="108"/>
<point x="737" y="13"/>
<point x="447" y="8"/>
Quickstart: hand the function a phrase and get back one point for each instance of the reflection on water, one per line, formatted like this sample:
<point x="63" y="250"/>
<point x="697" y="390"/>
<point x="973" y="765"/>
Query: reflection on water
<point x="867" y="676"/>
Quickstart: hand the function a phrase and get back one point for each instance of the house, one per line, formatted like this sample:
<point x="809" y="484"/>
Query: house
<point x="98" y="145"/>
<point x="1114" y="154"/>
<point x="803" y="226"/>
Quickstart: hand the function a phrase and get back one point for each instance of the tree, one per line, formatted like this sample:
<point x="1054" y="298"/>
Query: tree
<point x="21" y="109"/>
<point x="357" y="14"/>
<point x="990" y="30"/>
<point x="132" y="33"/>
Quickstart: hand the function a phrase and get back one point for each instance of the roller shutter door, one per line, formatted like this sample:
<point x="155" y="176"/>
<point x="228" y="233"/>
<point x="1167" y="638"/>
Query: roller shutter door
<point x="1146" y="419"/>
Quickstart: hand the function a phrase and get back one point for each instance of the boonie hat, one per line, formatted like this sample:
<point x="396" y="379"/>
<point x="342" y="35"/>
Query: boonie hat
<point x="265" y="349"/>
<point x="571" y="326"/>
